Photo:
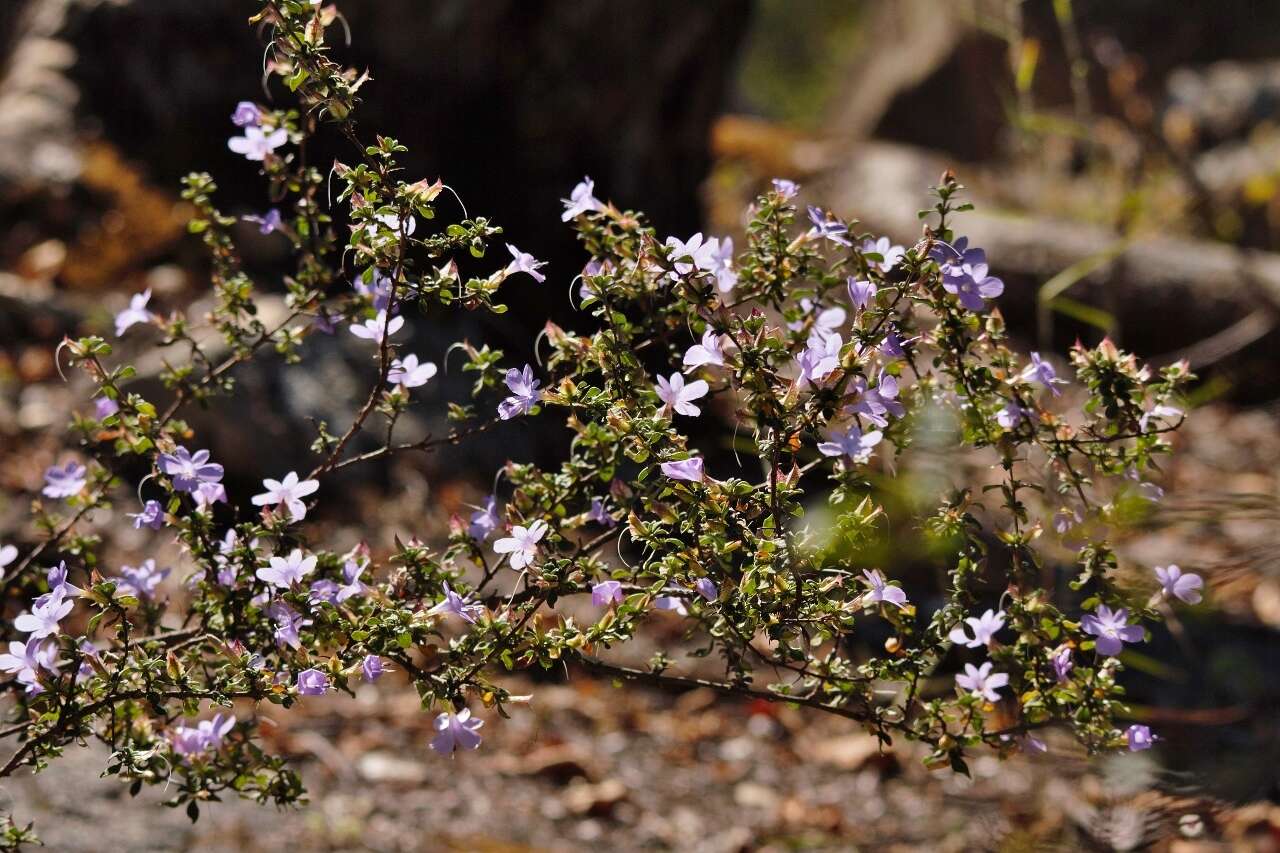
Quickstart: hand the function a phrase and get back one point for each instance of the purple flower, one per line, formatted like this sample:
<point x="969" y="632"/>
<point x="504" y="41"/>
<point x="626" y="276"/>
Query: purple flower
<point x="785" y="188"/>
<point x="208" y="494"/>
<point x="851" y="443"/>
<point x="456" y="731"/>
<point x="1158" y="412"/>
<point x="457" y="605"/>
<point x="141" y="581"/>
<point x="257" y="143"/>
<point x="289" y="623"/>
<point x="525" y="262"/>
<point x="323" y="590"/>
<point x="152" y="516"/>
<point x="65" y="482"/>
<point x="1042" y="372"/>
<point x="136" y="312"/>
<point x="675" y="394"/>
<point x="290" y="491"/>
<point x="285" y="572"/>
<point x="522" y="544"/>
<point x="581" y="200"/>
<point x="707" y="588"/>
<point x="247" y="114"/>
<point x="981" y="681"/>
<point x="827" y="227"/>
<point x="1174" y="583"/>
<point x="984" y="629"/>
<point x="885" y="248"/>
<point x="380" y="291"/>
<point x="8" y="554"/>
<point x="372" y="668"/>
<point x="324" y="322"/>
<point x="352" y="585"/>
<point x="1139" y="738"/>
<point x="878" y="403"/>
<point x="881" y="590"/>
<point x="892" y="346"/>
<point x="709" y="352"/>
<point x="484" y="521"/>
<point x="1011" y="415"/>
<point x="189" y="470"/>
<point x="605" y="592"/>
<point x="104" y="407"/>
<point x="693" y="254"/>
<point x="1062" y="664"/>
<point x="59" y="586"/>
<point x="312" y="682"/>
<point x="726" y="276"/>
<point x="25" y="660"/>
<point x="827" y="321"/>
<point x="1066" y="518"/>
<point x="684" y="469"/>
<point x="966" y="275"/>
<point x="674" y="603"/>
<point x="268" y="222"/>
<point x="819" y="359"/>
<point x="206" y="736"/>
<point x="44" y="617"/>
<point x="410" y="373"/>
<point x="524" y="393"/>
<point x="377" y="328"/>
<point x="599" y="514"/>
<point x="1112" y="629"/>
<point x="862" y="293"/>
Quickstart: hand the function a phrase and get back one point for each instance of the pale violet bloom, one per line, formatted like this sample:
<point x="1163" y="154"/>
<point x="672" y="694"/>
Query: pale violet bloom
<point x="1160" y="411"/>
<point x="352" y="585"/>
<point x="408" y="372"/>
<point x="785" y="188"/>
<point x="851" y="443"/>
<point x="605" y="593"/>
<point x="828" y="227"/>
<point x="984" y="629"/>
<point x="312" y="682"/>
<point x="885" y="248"/>
<point x="684" y="469"/>
<point x="581" y="200"/>
<point x="966" y="275"/>
<point x="323" y="590"/>
<point x="247" y="114"/>
<point x="862" y="293"/>
<point x="290" y="491"/>
<point x="456" y="731"/>
<point x="372" y="668"/>
<point x="257" y="143"/>
<point x="1042" y="372"/>
<point x="1112" y="629"/>
<point x="152" y="516"/>
<point x="524" y="393"/>
<point x="981" y="681"/>
<point x="457" y="605"/>
<point x="484" y="521"/>
<point x="827" y="321"/>
<point x="1174" y="583"/>
<point x="881" y="590"/>
<point x="709" y="352"/>
<point x="141" y="581"/>
<point x="65" y="482"/>
<point x="522" y="544"/>
<point x="1063" y="664"/>
<point x="674" y="603"/>
<point x="675" y="394"/>
<point x="8" y="553"/>
<point x="599" y="514"/>
<point x="268" y="222"/>
<point x="289" y="623"/>
<point x="59" y="585"/>
<point x="878" y="403"/>
<point x="525" y="262"/>
<point x="726" y="275"/>
<point x="208" y="494"/>
<point x="205" y="736"/>
<point x="693" y="254"/>
<point x="285" y="572"/>
<point x="1011" y="415"/>
<point x="1066" y="518"/>
<point x="707" y="588"/>
<point x="136" y="312"/>
<point x="188" y="470"/>
<point x="377" y="328"/>
<point x="379" y="290"/>
<point x="25" y="660"/>
<point x="819" y="359"/>
<point x="104" y="407"/>
<point x="44" y="617"/>
<point x="1139" y="738"/>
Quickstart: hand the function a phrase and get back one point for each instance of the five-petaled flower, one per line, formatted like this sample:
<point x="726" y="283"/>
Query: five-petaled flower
<point x="966" y="275"/>
<point x="689" y="469"/>
<point x="785" y="188"/>
<point x="44" y="616"/>
<point x="709" y="352"/>
<point x="65" y="482"/>
<point x="1175" y="583"/>
<point x="205" y="736"/>
<point x="674" y="393"/>
<point x="525" y="262"/>
<point x="606" y="592"/>
<point x="484" y="521"/>
<point x="889" y="253"/>
<point x="984" y="629"/>
<point x="290" y="491"/>
<point x="878" y="589"/>
<point x="524" y="393"/>
<point x="189" y="470"/>
<point x="247" y="114"/>
<point x="852" y="443"/>
<point x="152" y="516"/>
<point x="312" y="682"/>
<point x="141" y="581"/>
<point x="581" y="200"/>
<point x="828" y="227"/>
<point x="257" y="142"/>
<point x="1042" y="372"/>
<point x="289" y="623"/>
<point x="26" y="660"/>
<point x="1139" y="738"/>
<point x="372" y="667"/>
<point x="522" y="544"/>
<point x="862" y="293"/>
<point x="1112" y="629"/>
<point x="377" y="328"/>
<point x="59" y="585"/>
<point x="456" y="731"/>
<point x="981" y="681"/>
<point x="692" y="254"/>
<point x="285" y="572"/>
<point x="136" y="312"/>
<point x="408" y="372"/>
<point x="267" y="222"/>
<point x="819" y="359"/>
<point x="457" y="605"/>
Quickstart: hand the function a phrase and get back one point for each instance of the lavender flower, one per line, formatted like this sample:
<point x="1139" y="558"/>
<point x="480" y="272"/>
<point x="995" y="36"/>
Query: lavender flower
<point x="8" y="553"/>
<point x="379" y="291"/>
<point x="457" y="605"/>
<point x="599" y="514"/>
<point x="674" y="603"/>
<point x="352" y="584"/>
<point x="684" y="469"/>
<point x="581" y="200"/>
<point x="189" y="470"/>
<point x="878" y="403"/>
<point x="707" y="588"/>
<point x="606" y="592"/>
<point x="694" y="254"/>
<point x="208" y="494"/>
<point x="484" y="521"/>
<point x="152" y="516"/>
<point x="25" y="660"/>
<point x="785" y="188"/>
<point x="59" y="586"/>
<point x="722" y="268"/>
<point x="323" y="590"/>
<point x="966" y="275"/>
<point x="1042" y="372"/>
<point x="522" y="544"/>
<point x="885" y="248"/>
<point x="378" y="328"/>
<point x="257" y="142"/>
<point x="862" y="293"/>
<point x="65" y="482"/>
<point x="268" y="222"/>
<point x="1174" y="583"/>
<point x="524" y="393"/>
<point x="1011" y="415"/>
<point x="289" y="623"/>
<point x="456" y="731"/>
<point x="981" y="681"/>
<point x="290" y="491"/>
<point x="104" y="407"/>
<point x="372" y="668"/>
<point x="285" y="572"/>
<point x="675" y="394"/>
<point x="141" y="581"/>
<point x="819" y="359"/>
<point x="1112" y="629"/>
<point x="247" y="114"/>
<point x="851" y="443"/>
<point x="709" y="352"/>
<point x="525" y="262"/>
<point x="1139" y="738"/>
<point x="1160" y="411"/>
<point x="881" y="590"/>
<point x="206" y="736"/>
<point x="984" y="629"/>
<point x="828" y="227"/>
<point x="136" y="312"/>
<point x="44" y="617"/>
<point x="1062" y="664"/>
<point x="410" y="373"/>
<point x="312" y="682"/>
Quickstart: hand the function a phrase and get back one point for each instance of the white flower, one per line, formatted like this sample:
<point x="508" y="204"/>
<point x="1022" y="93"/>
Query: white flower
<point x="256" y="144"/>
<point x="710" y="351"/>
<point x="377" y="328"/>
<point x="679" y="396"/>
<point x="410" y="373"/>
<point x="136" y="312"/>
<point x="286" y="571"/>
<point x="581" y="200"/>
<point x="522" y="544"/>
<point x="290" y="491"/>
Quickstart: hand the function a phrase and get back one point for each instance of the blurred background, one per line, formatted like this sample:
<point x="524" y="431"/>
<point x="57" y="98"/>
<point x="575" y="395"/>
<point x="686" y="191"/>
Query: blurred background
<point x="1125" y="162"/>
